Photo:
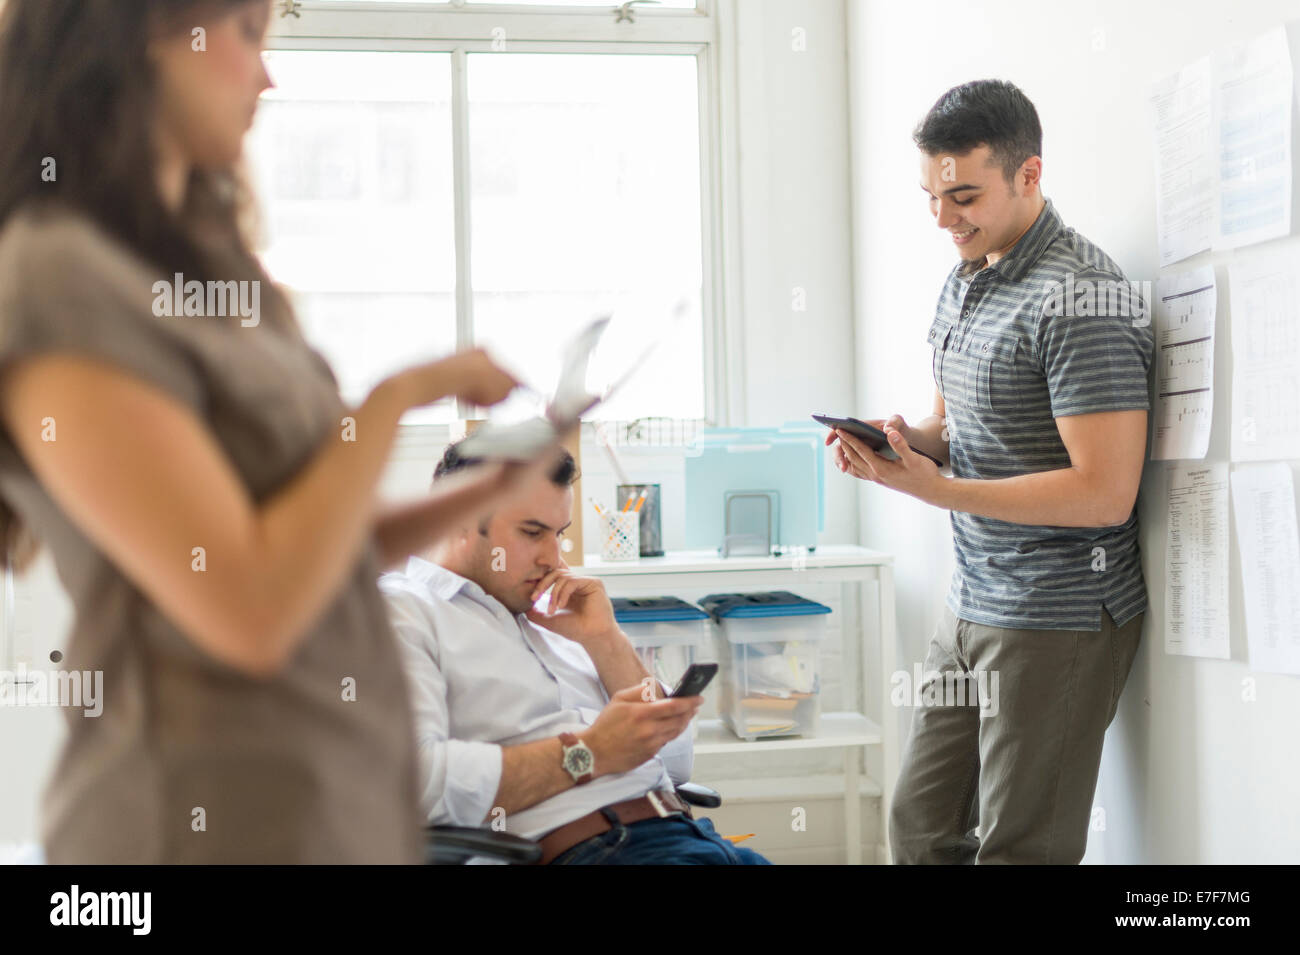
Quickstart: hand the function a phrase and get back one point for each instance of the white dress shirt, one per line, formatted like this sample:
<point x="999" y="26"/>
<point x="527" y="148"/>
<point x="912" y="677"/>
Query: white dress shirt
<point x="482" y="678"/>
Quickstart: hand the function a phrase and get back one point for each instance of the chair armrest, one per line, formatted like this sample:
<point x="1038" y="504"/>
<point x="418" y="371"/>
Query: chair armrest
<point x="456" y="845"/>
<point x="694" y="794"/>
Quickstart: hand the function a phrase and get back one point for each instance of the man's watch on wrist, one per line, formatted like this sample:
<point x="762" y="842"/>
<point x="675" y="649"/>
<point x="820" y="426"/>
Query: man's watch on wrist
<point x="578" y="760"/>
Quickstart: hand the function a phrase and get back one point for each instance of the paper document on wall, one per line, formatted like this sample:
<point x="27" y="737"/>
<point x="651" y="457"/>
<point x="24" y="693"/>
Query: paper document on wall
<point x="1265" y="297"/>
<point x="1186" y="177"/>
<point x="1263" y="503"/>
<point x="1196" y="558"/>
<point x="1185" y="311"/>
<point x="1252" y="109"/>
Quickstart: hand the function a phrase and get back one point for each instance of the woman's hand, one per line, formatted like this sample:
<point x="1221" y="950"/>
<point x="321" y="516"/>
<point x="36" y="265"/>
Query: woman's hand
<point x="471" y="375"/>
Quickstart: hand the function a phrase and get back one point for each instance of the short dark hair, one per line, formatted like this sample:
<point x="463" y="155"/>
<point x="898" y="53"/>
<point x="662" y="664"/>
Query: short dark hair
<point x="564" y="473"/>
<point x="991" y="113"/>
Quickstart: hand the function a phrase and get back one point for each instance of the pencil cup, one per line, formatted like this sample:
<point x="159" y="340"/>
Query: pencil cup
<point x="645" y="498"/>
<point x="622" y="534"/>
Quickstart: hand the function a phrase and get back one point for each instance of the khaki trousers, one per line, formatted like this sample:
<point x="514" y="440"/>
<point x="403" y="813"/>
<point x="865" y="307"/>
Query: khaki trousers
<point x="1024" y="773"/>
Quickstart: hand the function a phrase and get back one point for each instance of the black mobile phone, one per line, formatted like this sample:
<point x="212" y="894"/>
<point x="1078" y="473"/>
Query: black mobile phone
<point x="695" y="679"/>
<point x="873" y="436"/>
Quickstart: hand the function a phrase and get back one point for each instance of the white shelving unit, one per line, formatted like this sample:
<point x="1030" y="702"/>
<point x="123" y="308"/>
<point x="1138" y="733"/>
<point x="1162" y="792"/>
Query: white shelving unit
<point x="850" y="730"/>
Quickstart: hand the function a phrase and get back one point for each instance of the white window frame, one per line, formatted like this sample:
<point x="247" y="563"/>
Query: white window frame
<point x="459" y="29"/>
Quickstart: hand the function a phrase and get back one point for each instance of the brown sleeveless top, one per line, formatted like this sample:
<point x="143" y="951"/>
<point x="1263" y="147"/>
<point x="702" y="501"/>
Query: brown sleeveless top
<point x="191" y="760"/>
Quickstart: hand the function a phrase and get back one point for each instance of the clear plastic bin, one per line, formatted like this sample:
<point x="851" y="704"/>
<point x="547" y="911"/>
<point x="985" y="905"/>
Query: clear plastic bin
<point x="666" y="632"/>
<point x="768" y="649"/>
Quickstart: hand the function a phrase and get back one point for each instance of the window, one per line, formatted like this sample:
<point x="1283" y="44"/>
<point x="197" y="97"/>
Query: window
<point x="423" y="192"/>
<point x="584" y="177"/>
<point x="604" y="4"/>
<point x="352" y="160"/>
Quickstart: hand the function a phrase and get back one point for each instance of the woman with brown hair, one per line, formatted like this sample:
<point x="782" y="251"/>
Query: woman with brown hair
<point x="208" y="500"/>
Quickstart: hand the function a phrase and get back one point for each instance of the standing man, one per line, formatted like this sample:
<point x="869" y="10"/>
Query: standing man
<point x="1041" y="353"/>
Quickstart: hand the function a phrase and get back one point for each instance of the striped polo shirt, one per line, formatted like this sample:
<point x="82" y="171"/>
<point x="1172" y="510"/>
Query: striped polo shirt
<point x="1052" y="328"/>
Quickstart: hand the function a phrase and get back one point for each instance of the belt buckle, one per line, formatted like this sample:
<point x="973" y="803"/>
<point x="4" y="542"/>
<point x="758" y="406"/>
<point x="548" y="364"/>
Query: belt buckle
<point x="664" y="811"/>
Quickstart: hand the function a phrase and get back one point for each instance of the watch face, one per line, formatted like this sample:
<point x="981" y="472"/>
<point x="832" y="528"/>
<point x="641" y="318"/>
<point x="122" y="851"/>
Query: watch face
<point x="578" y="760"/>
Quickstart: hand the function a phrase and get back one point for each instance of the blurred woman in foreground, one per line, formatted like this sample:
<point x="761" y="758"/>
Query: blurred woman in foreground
<point x="208" y="500"/>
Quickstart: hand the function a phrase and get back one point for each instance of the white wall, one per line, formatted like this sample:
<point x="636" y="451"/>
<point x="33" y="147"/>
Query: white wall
<point x="795" y="241"/>
<point x="30" y="736"/>
<point x="1191" y="774"/>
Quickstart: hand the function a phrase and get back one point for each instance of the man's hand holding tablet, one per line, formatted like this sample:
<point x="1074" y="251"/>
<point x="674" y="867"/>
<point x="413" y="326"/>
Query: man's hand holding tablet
<point x="872" y="433"/>
<point x="876" y="450"/>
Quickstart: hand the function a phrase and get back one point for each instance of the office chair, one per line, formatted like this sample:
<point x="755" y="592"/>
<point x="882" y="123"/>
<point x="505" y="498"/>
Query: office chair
<point x="456" y="845"/>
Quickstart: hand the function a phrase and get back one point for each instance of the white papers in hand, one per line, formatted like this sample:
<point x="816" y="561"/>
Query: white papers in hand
<point x="526" y="439"/>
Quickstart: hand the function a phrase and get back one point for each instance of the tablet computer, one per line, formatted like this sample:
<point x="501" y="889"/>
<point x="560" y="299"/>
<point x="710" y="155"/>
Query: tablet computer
<point x="872" y="436"/>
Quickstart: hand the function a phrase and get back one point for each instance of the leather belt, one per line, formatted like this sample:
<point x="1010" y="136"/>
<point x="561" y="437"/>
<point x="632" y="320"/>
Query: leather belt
<point x="658" y="803"/>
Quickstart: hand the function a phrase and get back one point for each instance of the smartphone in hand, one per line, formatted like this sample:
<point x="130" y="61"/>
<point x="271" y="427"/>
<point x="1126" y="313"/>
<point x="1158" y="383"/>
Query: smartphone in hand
<point x="695" y="679"/>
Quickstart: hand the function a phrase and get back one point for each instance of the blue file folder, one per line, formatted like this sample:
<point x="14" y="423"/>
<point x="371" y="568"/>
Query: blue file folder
<point x="788" y="459"/>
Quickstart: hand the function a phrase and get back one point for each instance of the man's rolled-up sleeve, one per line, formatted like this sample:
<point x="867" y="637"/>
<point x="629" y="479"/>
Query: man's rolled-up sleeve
<point x="459" y="779"/>
<point x="678" y="753"/>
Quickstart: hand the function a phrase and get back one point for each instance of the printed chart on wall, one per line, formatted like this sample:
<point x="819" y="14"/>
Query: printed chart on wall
<point x="1222" y="128"/>
<point x="1263" y="502"/>
<point x="1185" y="174"/>
<point x="1196" y="562"/>
<point x="1252" y="123"/>
<point x="1265" y="304"/>
<point x="1185" y="310"/>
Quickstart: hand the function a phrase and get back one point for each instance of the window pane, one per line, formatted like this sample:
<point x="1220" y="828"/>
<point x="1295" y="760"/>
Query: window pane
<point x="585" y="182"/>
<point x="608" y="4"/>
<point x="351" y="155"/>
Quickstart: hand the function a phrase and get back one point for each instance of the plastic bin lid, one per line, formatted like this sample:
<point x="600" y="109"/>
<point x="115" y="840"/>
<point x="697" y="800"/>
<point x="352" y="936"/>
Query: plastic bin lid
<point x="654" y="609"/>
<point x="776" y="603"/>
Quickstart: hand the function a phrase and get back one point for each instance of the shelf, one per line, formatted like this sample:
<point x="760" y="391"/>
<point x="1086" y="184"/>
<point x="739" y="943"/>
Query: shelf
<point x="707" y="561"/>
<point x="779" y="788"/>
<point x="870" y="572"/>
<point x="834" y="731"/>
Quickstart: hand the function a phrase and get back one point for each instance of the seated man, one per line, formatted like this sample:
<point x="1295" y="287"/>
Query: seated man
<point x="546" y="722"/>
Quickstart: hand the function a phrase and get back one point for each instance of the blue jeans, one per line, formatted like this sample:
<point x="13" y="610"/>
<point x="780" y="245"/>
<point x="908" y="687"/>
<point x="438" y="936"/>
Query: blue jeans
<point x="672" y="840"/>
